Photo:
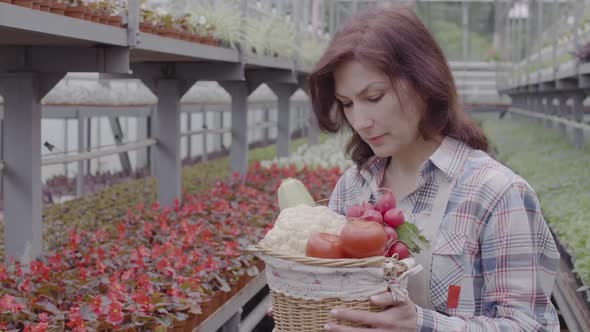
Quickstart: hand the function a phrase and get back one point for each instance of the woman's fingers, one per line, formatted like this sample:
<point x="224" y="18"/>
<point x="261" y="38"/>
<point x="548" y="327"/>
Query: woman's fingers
<point x="269" y="311"/>
<point x="386" y="299"/>
<point x="358" y="316"/>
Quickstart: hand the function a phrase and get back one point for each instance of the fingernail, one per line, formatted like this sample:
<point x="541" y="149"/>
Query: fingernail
<point x="327" y="327"/>
<point x="333" y="312"/>
<point x="373" y="298"/>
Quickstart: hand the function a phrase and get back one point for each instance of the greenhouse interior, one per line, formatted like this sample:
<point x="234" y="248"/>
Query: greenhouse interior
<point x="150" y="149"/>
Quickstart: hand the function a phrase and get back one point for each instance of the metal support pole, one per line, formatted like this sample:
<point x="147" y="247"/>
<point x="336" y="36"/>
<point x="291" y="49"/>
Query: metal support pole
<point x="23" y="203"/>
<point x="82" y="126"/>
<point x="239" y="92"/>
<point x="88" y="143"/>
<point x="65" y="144"/>
<point x="544" y="107"/>
<point x="549" y="109"/>
<point x="141" y="156"/>
<point x="465" y="21"/>
<point x="98" y="142"/>
<point x="332" y="22"/>
<point x="204" y="152"/>
<point x="562" y="112"/>
<point x="167" y="151"/>
<point x="118" y="134"/>
<point x="189" y="138"/>
<point x="266" y="117"/>
<point x="284" y="93"/>
<point x="579" y="117"/>
<point x="220" y="138"/>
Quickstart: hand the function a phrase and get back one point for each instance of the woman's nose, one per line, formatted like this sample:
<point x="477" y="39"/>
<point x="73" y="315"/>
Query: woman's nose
<point x="361" y="120"/>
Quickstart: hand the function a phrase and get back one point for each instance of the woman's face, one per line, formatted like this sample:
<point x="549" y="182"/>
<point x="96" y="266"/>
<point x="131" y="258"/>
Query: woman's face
<point x="374" y="109"/>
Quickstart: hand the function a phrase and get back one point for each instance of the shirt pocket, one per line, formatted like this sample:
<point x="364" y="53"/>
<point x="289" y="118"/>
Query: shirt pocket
<point x="448" y="266"/>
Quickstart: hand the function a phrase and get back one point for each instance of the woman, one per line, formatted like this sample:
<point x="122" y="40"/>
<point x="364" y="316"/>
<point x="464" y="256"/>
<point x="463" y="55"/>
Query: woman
<point x="492" y="260"/>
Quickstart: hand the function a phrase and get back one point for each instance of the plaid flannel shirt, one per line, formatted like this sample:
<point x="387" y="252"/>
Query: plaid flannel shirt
<point x="493" y="241"/>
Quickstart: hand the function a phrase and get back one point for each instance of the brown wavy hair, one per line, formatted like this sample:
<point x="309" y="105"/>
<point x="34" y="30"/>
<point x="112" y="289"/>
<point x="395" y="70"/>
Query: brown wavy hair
<point x="394" y="41"/>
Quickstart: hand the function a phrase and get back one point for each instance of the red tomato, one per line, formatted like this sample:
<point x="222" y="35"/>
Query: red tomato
<point x="324" y="245"/>
<point x="362" y="239"/>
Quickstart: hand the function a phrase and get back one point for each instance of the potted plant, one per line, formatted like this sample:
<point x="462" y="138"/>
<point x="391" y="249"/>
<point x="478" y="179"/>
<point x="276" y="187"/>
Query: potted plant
<point x="23" y="3"/>
<point x="147" y="20"/>
<point x="166" y="26"/>
<point x="58" y="7"/>
<point x="93" y="10"/>
<point x="113" y="10"/>
<point x="75" y="9"/>
<point x="45" y="5"/>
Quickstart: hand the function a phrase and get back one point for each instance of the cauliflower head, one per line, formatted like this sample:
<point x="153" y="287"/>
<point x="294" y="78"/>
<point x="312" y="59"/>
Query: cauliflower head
<point x="295" y="225"/>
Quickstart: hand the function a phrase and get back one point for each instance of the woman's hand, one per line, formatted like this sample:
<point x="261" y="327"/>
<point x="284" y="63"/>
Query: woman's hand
<point x="398" y="316"/>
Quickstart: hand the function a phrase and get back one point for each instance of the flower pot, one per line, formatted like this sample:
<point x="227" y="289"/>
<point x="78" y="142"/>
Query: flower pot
<point x="37" y="4"/>
<point x="146" y="27"/>
<point x="75" y="12"/>
<point x="23" y="3"/>
<point x="95" y="18"/>
<point x="191" y="322"/>
<point x="45" y="5"/>
<point x="185" y="35"/>
<point x="58" y="8"/>
<point x="178" y="326"/>
<point x="168" y="33"/>
<point x="103" y="19"/>
<point x="115" y="21"/>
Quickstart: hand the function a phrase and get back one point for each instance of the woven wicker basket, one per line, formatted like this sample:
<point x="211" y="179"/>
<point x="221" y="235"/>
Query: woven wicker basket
<point x="293" y="314"/>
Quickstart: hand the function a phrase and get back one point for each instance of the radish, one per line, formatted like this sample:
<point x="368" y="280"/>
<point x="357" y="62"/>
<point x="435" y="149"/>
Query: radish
<point x="391" y="234"/>
<point x="399" y="248"/>
<point x="372" y="215"/>
<point x="357" y="210"/>
<point x="385" y="203"/>
<point x="354" y="211"/>
<point x="394" y="218"/>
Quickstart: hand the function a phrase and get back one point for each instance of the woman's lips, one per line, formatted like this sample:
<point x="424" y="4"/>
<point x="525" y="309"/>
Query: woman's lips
<point x="376" y="139"/>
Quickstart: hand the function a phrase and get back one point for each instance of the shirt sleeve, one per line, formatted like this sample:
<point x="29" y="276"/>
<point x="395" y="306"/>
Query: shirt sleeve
<point x="519" y="262"/>
<point x="335" y="203"/>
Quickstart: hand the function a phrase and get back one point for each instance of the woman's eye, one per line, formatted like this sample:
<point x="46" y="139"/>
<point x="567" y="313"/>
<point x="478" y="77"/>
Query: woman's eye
<point x="375" y="99"/>
<point x="345" y="105"/>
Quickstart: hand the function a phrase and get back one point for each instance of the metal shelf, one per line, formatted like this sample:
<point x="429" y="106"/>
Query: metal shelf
<point x="269" y="62"/>
<point x="23" y="26"/>
<point x="154" y="48"/>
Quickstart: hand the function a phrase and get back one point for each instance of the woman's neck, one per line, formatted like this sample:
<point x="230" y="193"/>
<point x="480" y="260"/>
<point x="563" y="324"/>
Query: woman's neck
<point x="408" y="161"/>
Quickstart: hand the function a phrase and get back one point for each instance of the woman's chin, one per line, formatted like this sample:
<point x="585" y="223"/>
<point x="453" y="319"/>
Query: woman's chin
<point x="381" y="153"/>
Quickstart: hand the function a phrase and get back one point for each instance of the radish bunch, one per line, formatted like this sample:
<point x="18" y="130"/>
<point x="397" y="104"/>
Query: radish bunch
<point x="391" y="218"/>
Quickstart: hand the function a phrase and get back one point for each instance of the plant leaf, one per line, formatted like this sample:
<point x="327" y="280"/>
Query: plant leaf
<point x="410" y="235"/>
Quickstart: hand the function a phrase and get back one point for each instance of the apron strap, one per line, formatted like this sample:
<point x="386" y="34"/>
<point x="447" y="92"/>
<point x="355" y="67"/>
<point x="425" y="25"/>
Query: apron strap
<point x="419" y="285"/>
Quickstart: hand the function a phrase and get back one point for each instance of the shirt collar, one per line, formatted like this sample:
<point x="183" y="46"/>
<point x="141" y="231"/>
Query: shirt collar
<point x="448" y="157"/>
